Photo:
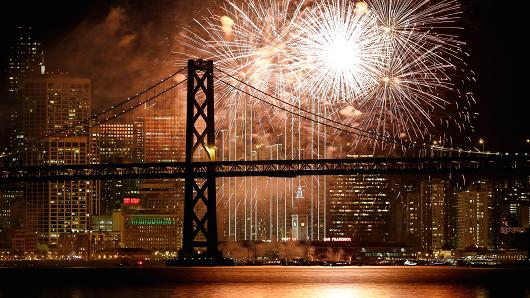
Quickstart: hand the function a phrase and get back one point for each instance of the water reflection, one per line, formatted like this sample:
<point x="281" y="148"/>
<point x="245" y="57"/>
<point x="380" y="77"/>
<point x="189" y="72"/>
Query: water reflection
<point x="291" y="282"/>
<point x="267" y="290"/>
<point x="328" y="290"/>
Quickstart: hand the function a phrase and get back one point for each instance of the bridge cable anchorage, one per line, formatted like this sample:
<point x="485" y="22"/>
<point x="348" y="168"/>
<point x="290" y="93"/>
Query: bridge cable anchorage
<point x="358" y="131"/>
<point x="95" y="116"/>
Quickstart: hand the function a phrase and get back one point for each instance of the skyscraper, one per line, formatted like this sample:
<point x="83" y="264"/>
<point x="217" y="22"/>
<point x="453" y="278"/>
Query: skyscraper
<point x="474" y="214"/>
<point x="11" y="211"/>
<point x="358" y="207"/>
<point x="51" y="103"/>
<point x="25" y="58"/>
<point x="434" y="199"/>
<point x="430" y="214"/>
<point x="511" y="200"/>
<point x="118" y="143"/>
<point x="413" y="211"/>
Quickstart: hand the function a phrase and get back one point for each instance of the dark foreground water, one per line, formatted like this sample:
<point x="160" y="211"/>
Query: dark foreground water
<point x="265" y="281"/>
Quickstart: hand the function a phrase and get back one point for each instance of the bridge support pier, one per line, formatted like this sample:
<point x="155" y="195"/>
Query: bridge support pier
<point x="200" y="220"/>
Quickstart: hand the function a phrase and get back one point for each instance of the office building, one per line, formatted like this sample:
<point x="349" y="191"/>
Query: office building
<point x="50" y="104"/>
<point x="155" y="232"/>
<point x="474" y="214"/>
<point x="358" y="207"/>
<point x="118" y="143"/>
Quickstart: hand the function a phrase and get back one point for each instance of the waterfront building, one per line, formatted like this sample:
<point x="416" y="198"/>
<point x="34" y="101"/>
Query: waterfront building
<point x="158" y="136"/>
<point x="155" y="232"/>
<point x="164" y="141"/>
<point x="24" y="242"/>
<point x="511" y="200"/>
<point x="434" y="200"/>
<point x="474" y="214"/>
<point x="358" y="207"/>
<point x="11" y="212"/>
<point x="413" y="217"/>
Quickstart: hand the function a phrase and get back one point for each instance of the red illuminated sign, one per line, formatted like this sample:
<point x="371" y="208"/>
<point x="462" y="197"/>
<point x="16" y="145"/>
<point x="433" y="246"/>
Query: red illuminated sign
<point x="131" y="201"/>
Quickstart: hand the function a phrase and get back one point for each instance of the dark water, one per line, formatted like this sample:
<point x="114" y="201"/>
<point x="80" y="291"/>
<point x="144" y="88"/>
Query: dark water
<point x="266" y="281"/>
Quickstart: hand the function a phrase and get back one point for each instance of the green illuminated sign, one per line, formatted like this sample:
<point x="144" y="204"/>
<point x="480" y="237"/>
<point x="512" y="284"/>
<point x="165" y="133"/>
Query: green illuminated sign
<point x="152" y="221"/>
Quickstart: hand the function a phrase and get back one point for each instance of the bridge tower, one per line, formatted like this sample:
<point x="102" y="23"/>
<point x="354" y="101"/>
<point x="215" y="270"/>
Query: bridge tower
<point x="200" y="223"/>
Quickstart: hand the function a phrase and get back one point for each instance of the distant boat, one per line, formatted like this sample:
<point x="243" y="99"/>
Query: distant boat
<point x="409" y="263"/>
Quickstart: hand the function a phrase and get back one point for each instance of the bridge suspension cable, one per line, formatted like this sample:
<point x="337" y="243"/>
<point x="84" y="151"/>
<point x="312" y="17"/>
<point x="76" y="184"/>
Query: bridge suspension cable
<point x="350" y="129"/>
<point x="296" y="114"/>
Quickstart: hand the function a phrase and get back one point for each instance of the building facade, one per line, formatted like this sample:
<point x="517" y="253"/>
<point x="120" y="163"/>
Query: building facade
<point x="358" y="207"/>
<point x="50" y="104"/>
<point x="155" y="232"/>
<point x="474" y="215"/>
<point x="118" y="143"/>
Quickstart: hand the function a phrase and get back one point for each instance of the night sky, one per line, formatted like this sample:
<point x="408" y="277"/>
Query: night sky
<point x="125" y="45"/>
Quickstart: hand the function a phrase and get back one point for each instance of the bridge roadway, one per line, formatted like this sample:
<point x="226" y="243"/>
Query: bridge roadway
<point x="513" y="165"/>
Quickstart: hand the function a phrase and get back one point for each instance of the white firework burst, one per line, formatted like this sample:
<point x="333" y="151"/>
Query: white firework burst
<point x="338" y="52"/>
<point x="390" y="61"/>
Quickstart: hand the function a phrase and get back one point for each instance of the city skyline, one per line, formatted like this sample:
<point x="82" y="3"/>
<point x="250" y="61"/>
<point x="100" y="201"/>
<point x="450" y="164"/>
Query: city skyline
<point x="148" y="132"/>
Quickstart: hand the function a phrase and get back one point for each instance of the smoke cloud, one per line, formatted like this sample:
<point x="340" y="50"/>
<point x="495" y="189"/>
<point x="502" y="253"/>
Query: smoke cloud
<point x="124" y="51"/>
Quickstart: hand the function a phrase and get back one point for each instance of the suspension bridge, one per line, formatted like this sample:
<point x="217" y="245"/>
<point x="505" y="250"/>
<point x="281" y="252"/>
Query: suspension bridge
<point x="200" y="225"/>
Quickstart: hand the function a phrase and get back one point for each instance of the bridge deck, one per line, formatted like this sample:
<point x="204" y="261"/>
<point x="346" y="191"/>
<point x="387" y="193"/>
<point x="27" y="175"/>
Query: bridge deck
<point x="495" y="164"/>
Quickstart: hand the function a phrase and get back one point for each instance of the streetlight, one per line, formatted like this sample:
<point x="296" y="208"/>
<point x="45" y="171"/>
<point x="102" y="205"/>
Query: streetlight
<point x="481" y="142"/>
<point x="258" y="147"/>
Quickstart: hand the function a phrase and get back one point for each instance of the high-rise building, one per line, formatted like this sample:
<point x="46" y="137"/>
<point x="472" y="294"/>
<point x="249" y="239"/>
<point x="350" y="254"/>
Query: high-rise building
<point x="11" y="212"/>
<point x="435" y="196"/>
<point x="358" y="207"/>
<point x="474" y="214"/>
<point x="164" y="142"/>
<point x="511" y="200"/>
<point x="430" y="214"/>
<point x="118" y="143"/>
<point x="413" y="223"/>
<point x="51" y="103"/>
<point x="25" y="58"/>
<point x="164" y="139"/>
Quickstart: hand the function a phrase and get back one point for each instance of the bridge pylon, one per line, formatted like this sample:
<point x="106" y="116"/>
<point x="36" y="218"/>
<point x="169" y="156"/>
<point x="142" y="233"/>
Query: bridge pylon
<point x="200" y="220"/>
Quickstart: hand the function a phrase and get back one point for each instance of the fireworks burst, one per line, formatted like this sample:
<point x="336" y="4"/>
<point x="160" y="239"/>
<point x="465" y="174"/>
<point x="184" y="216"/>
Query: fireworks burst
<point x="337" y="51"/>
<point x="423" y="54"/>
<point x="388" y="62"/>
